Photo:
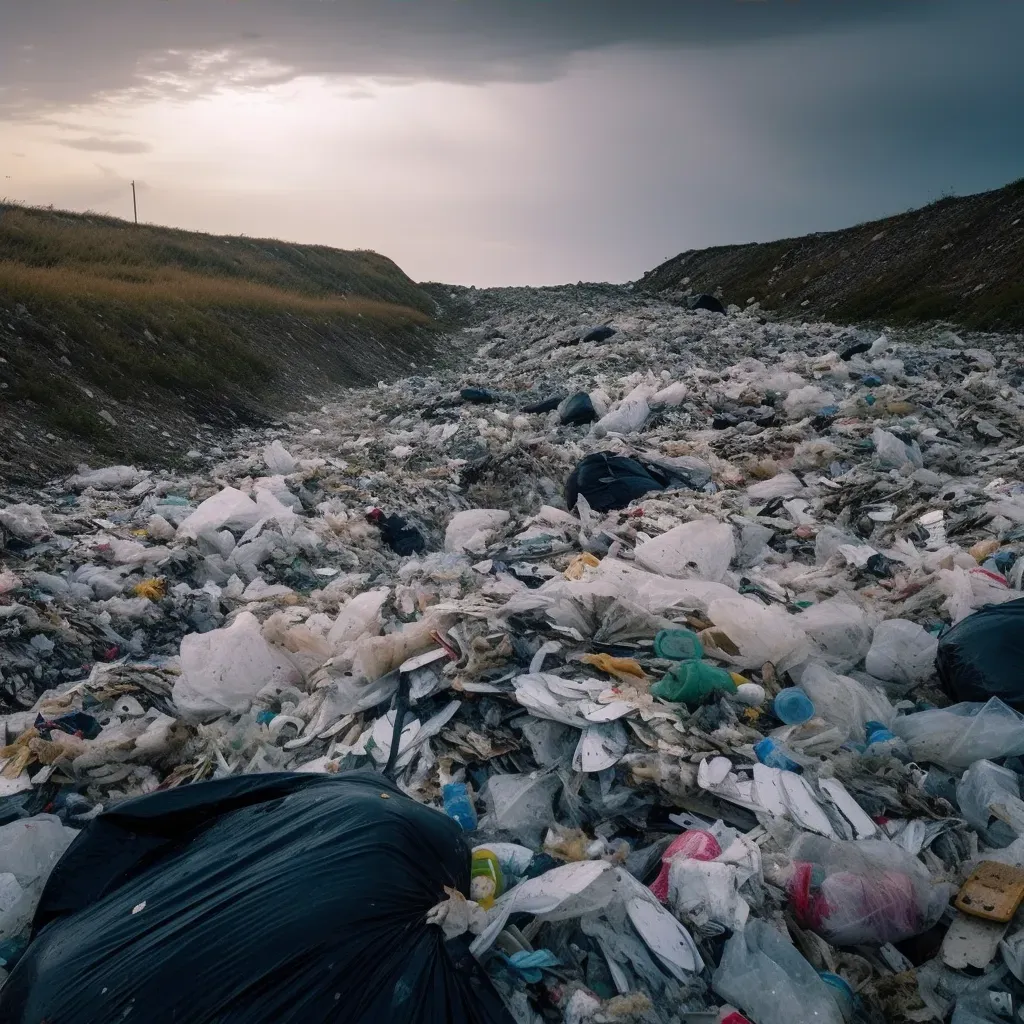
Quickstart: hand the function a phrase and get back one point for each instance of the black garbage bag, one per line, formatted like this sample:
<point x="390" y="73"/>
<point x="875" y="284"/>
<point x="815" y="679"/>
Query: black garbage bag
<point x="599" y="334"/>
<point x="612" y="481"/>
<point x="260" y="899"/>
<point x="856" y="348"/>
<point x="398" y="534"/>
<point x="578" y="409"/>
<point x="478" y="396"/>
<point x="546" y="404"/>
<point x="708" y="302"/>
<point x="982" y="655"/>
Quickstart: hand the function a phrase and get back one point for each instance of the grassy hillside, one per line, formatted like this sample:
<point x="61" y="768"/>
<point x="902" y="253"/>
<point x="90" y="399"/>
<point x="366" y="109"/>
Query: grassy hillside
<point x="959" y="259"/>
<point x="114" y="335"/>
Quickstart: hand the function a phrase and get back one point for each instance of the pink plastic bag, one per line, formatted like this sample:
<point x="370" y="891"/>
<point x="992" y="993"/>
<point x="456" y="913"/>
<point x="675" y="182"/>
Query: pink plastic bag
<point x="693" y="845"/>
<point x="863" y="892"/>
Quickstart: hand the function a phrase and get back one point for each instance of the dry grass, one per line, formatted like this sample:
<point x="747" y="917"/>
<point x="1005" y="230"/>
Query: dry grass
<point x="169" y="286"/>
<point x="165" y="325"/>
<point x="116" y="250"/>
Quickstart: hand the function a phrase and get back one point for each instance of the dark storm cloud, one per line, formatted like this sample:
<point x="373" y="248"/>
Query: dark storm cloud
<point x="68" y="51"/>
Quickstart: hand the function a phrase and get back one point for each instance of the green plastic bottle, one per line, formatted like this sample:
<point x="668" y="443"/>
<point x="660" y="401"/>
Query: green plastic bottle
<point x="692" y="682"/>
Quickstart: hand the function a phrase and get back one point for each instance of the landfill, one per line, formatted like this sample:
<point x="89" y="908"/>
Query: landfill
<point x="695" y="634"/>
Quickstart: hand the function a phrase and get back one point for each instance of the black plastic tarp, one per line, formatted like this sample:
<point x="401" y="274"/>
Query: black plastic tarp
<point x="261" y="899"/>
<point x="982" y="656"/>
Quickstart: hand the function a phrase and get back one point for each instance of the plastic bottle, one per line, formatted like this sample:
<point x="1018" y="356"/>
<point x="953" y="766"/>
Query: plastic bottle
<point x="487" y="881"/>
<point x="678" y="645"/>
<point x="793" y="707"/>
<point x="776" y="756"/>
<point x="692" y="682"/>
<point x="458" y="804"/>
<point x="881" y="741"/>
<point x="695" y="844"/>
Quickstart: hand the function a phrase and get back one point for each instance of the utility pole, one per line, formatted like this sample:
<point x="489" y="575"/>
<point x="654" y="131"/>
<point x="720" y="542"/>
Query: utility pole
<point x="135" y="203"/>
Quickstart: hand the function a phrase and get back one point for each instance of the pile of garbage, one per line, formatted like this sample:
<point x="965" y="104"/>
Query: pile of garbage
<point x="695" y="637"/>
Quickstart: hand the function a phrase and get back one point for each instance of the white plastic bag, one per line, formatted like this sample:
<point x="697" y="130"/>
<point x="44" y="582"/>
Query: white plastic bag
<point x="702" y="548"/>
<point x="223" y="670"/>
<point x="901" y="652"/>
<point x="983" y="787"/>
<point x="843" y="702"/>
<point x="360" y="617"/>
<point x="278" y="459"/>
<point x="25" y="522"/>
<point x="230" y="509"/>
<point x="29" y="849"/>
<point x="806" y="401"/>
<point x="766" y="977"/>
<point x="760" y="633"/>
<point x="628" y="416"/>
<point x="892" y="453"/>
<point x="110" y="478"/>
<point x="840" y="628"/>
<point x="473" y="529"/>
<point x="957" y="736"/>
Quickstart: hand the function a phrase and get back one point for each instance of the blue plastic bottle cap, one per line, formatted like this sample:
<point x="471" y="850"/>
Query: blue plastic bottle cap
<point x="793" y="707"/>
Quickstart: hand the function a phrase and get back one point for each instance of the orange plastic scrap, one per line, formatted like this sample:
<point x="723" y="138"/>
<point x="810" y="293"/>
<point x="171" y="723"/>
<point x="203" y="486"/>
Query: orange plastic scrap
<point x="626" y="669"/>
<point x="154" y="589"/>
<point x="18" y="755"/>
<point x="579" y="565"/>
<point x="993" y="892"/>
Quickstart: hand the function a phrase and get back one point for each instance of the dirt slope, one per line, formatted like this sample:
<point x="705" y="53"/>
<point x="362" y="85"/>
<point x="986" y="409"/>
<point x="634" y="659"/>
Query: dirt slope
<point x="958" y="259"/>
<point x="133" y="343"/>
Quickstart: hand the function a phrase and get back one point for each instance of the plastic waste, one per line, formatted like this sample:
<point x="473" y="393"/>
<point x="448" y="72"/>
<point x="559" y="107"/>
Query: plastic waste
<point x="762" y="973"/>
<point x="983" y="787"/>
<point x="478" y="396"/>
<point x="840" y="629"/>
<point x="981" y="656"/>
<point x="902" y="652"/>
<point x="360" y="617"/>
<point x="577" y="410"/>
<point x="678" y="645"/>
<point x="694" y="843"/>
<point x="628" y="416"/>
<point x="487" y="878"/>
<point x="24" y="522"/>
<point x="473" y="529"/>
<point x="247" y="857"/>
<point x="843" y="701"/>
<point x="892" y="453"/>
<point x="806" y="401"/>
<point x="522" y="804"/>
<point x="29" y="849"/>
<point x="602" y="333"/>
<point x="793" y="707"/>
<point x="702" y="548"/>
<point x="278" y="459"/>
<point x="775" y="755"/>
<point x="611" y="481"/>
<point x="222" y="671"/>
<point x="759" y="633"/>
<point x="458" y="804"/>
<point x="957" y="736"/>
<point x="109" y="478"/>
<point x="866" y="891"/>
<point x="229" y="509"/>
<point x="693" y="682"/>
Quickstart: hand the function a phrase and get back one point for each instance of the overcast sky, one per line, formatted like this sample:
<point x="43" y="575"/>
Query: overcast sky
<point x="509" y="141"/>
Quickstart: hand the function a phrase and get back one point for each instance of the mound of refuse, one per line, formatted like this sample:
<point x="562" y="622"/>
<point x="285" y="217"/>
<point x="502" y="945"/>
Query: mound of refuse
<point x="655" y="671"/>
